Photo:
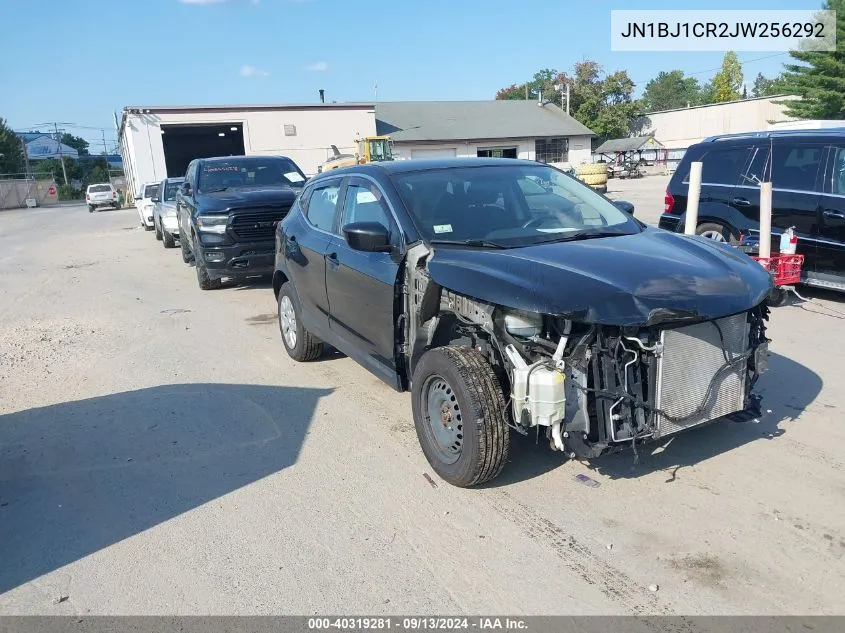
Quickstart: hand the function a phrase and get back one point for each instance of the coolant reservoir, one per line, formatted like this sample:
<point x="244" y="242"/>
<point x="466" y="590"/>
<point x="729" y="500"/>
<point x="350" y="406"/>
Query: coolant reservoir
<point x="526" y="324"/>
<point x="544" y="398"/>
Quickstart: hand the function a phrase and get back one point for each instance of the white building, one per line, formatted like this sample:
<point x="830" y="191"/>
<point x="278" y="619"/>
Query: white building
<point x="158" y="142"/>
<point x="504" y="129"/>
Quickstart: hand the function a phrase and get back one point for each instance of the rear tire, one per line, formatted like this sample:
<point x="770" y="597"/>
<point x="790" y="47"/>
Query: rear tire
<point x="717" y="232"/>
<point x="459" y="415"/>
<point x="90" y="208"/>
<point x="300" y="344"/>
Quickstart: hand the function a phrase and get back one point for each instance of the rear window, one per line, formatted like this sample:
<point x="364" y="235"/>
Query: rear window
<point x="723" y="166"/>
<point x="99" y="188"/>
<point x="151" y="191"/>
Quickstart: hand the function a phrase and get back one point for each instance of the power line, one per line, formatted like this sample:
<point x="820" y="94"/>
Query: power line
<point x="717" y="68"/>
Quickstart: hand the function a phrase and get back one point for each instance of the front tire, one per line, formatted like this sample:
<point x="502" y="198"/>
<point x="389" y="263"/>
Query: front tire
<point x="459" y="415"/>
<point x="187" y="255"/>
<point x="778" y="297"/>
<point x="90" y="208"/>
<point x="300" y="344"/>
<point x="717" y="232"/>
<point x="158" y="230"/>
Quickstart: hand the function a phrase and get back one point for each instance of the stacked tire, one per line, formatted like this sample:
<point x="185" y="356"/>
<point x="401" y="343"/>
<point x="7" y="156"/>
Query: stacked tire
<point x="594" y="175"/>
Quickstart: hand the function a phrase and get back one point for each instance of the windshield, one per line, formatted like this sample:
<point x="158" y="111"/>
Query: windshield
<point x="241" y="172"/>
<point x="151" y="191"/>
<point x="380" y="150"/>
<point x="170" y="189"/>
<point x="511" y="205"/>
<point x="99" y="188"/>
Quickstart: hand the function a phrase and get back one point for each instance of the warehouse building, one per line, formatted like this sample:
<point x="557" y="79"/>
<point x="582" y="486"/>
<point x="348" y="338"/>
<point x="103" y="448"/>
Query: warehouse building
<point x="159" y="141"/>
<point x="501" y="129"/>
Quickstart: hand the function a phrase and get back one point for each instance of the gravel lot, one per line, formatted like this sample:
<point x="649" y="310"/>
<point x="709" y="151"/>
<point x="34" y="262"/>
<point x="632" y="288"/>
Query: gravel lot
<point x="160" y="454"/>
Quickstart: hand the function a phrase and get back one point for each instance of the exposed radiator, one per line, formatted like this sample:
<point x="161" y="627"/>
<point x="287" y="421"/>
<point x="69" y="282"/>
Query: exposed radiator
<point x="692" y="356"/>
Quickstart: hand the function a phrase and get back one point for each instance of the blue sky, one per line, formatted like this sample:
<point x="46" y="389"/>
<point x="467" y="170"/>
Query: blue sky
<point x="77" y="61"/>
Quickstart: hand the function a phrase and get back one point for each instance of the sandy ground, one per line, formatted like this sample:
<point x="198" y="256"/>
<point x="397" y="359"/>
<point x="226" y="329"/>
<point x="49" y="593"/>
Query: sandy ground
<point x="160" y="454"/>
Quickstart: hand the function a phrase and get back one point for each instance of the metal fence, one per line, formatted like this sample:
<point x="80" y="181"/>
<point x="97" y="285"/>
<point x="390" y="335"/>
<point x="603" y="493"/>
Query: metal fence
<point x="22" y="192"/>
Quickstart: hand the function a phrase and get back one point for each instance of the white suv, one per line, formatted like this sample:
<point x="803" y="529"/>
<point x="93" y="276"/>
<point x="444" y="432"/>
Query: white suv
<point x="145" y="205"/>
<point x="101" y="194"/>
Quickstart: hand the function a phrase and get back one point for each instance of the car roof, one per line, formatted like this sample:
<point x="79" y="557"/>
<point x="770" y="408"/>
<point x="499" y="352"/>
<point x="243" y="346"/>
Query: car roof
<point x="220" y="159"/>
<point x="405" y="166"/>
<point x="97" y="184"/>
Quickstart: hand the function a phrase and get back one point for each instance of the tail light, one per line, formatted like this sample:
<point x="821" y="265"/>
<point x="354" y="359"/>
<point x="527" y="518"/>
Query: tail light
<point x="668" y="202"/>
<point x="114" y="194"/>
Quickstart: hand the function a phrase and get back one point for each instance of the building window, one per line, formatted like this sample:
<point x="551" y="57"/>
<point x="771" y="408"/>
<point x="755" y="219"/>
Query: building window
<point x="290" y="130"/>
<point x="551" y="150"/>
<point x="503" y="152"/>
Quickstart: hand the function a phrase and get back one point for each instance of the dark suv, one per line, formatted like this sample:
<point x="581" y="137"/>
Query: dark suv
<point x="807" y="172"/>
<point x="228" y="209"/>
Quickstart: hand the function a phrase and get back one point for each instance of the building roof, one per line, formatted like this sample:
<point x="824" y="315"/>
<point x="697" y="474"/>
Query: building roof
<point x="46" y="147"/>
<point x="31" y="136"/>
<point x="628" y="144"/>
<point x="246" y="107"/>
<point x="466" y="120"/>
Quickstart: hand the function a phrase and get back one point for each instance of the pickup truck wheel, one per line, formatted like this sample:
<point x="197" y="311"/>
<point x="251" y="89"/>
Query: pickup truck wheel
<point x="158" y="230"/>
<point x="167" y="239"/>
<point x="778" y="297"/>
<point x="300" y="344"/>
<point x="187" y="255"/>
<point x="459" y="409"/>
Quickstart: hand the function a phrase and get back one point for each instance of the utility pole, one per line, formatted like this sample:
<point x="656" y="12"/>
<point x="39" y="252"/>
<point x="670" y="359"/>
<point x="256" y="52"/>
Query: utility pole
<point x="61" y="153"/>
<point x="25" y="157"/>
<point x="106" y="155"/>
<point x="567" y="98"/>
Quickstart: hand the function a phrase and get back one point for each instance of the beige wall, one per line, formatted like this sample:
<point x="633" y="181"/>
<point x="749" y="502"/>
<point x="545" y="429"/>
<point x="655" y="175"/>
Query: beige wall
<point x="316" y="130"/>
<point x="13" y="193"/>
<point x="677" y="129"/>
<point x="579" y="148"/>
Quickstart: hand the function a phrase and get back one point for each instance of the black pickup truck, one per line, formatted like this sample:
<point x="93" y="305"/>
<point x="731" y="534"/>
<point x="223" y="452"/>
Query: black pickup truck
<point x="228" y="209"/>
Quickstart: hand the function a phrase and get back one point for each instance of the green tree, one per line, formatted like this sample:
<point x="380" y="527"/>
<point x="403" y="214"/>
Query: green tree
<point x="76" y="142"/>
<point x="728" y="81"/>
<point x="818" y="77"/>
<point x="11" y="151"/>
<point x="670" y="90"/>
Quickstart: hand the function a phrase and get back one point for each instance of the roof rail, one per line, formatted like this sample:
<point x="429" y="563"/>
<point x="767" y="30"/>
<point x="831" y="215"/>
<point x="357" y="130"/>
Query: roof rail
<point x="838" y="131"/>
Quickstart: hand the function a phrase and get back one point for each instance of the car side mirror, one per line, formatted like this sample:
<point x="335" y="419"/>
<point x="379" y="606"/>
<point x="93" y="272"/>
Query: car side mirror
<point x="139" y="198"/>
<point x="156" y="199"/>
<point x="370" y="237"/>
<point x="625" y="206"/>
<point x="185" y="189"/>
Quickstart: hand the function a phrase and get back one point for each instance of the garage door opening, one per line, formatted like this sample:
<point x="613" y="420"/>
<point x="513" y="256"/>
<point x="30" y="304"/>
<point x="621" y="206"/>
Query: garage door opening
<point x="499" y="152"/>
<point x="184" y="143"/>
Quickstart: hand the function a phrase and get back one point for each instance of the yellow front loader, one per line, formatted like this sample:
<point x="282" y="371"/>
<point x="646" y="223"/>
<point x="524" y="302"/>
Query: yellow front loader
<point x="371" y="149"/>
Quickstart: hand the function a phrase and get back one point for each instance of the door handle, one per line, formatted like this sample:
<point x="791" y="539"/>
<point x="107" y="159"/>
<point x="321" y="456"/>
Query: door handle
<point x="332" y="260"/>
<point x="741" y="202"/>
<point x="833" y="215"/>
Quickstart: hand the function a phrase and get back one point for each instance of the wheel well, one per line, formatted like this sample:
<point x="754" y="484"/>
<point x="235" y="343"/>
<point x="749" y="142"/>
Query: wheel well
<point x="279" y="278"/>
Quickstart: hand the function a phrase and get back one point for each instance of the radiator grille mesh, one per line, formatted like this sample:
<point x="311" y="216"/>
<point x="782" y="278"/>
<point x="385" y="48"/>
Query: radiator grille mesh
<point x="692" y="356"/>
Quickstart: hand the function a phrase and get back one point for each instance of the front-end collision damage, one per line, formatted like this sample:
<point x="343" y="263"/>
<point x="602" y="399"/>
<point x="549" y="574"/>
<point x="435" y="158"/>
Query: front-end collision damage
<point x="594" y="388"/>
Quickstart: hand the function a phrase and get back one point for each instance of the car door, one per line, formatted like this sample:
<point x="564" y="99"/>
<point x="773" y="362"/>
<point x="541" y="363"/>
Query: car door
<point x="830" y="258"/>
<point x="306" y="240"/>
<point x="361" y="285"/>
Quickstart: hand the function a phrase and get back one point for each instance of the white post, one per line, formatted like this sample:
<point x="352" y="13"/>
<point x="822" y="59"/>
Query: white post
<point x="765" y="220"/>
<point x="692" y="198"/>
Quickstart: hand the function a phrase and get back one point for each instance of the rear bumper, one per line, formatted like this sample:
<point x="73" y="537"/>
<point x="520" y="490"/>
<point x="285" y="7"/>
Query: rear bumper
<point x="669" y="222"/>
<point x="255" y="258"/>
<point x="103" y="203"/>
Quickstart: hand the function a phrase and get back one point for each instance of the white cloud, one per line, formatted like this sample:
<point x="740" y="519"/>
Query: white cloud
<point x="252" y="71"/>
<point x="317" y="67"/>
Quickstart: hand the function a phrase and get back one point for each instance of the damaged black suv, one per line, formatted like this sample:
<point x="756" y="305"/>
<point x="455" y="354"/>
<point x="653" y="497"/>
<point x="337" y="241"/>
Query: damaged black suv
<point x="507" y="295"/>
